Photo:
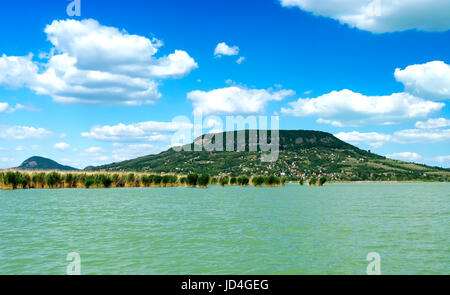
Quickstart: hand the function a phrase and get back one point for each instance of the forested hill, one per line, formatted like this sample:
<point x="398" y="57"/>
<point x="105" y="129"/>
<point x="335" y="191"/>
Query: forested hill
<point x="302" y="153"/>
<point x="40" y="163"/>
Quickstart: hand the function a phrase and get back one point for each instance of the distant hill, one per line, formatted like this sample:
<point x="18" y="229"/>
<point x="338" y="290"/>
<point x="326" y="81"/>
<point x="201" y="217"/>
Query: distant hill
<point x="302" y="153"/>
<point x="40" y="163"/>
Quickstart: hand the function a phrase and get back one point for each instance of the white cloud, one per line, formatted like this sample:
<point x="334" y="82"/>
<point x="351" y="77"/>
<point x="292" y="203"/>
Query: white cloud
<point x="405" y="156"/>
<point x="98" y="156"/>
<point x="82" y="162"/>
<point x="433" y="123"/>
<point x="224" y="49"/>
<point x="22" y="132"/>
<point x="17" y="71"/>
<point x="381" y="16"/>
<point x="430" y="80"/>
<point x="102" y="48"/>
<point x="422" y="135"/>
<point x="95" y="64"/>
<point x="330" y="122"/>
<point x="174" y="65"/>
<point x="22" y="148"/>
<point x="62" y="146"/>
<point x="240" y="60"/>
<point x="94" y="150"/>
<point x="144" y="131"/>
<point x="373" y="139"/>
<point x="234" y="100"/>
<point x="443" y="159"/>
<point x="6" y="108"/>
<point x="347" y="108"/>
<point x="409" y="136"/>
<point x="6" y="162"/>
<point x="133" y="151"/>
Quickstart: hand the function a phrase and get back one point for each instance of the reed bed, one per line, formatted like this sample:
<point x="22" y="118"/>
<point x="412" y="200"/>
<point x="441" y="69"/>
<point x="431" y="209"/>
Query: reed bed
<point x="15" y="179"/>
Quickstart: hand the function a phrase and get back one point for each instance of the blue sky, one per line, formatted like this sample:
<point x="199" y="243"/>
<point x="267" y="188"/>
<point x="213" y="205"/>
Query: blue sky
<point x="105" y="86"/>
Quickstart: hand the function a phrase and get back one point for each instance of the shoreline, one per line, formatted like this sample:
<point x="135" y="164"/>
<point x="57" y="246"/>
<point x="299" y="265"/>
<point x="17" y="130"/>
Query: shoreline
<point x="214" y="185"/>
<point x="12" y="180"/>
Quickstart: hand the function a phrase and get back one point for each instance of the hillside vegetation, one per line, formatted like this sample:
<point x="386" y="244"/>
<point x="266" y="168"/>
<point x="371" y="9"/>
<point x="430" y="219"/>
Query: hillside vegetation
<point x="40" y="163"/>
<point x="303" y="154"/>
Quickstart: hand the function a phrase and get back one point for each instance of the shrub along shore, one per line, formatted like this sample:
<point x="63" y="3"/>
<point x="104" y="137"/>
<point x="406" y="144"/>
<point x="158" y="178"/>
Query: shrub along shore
<point x="57" y="180"/>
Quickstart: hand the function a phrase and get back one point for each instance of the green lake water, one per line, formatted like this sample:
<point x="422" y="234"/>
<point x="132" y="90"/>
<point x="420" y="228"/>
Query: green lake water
<point x="231" y="230"/>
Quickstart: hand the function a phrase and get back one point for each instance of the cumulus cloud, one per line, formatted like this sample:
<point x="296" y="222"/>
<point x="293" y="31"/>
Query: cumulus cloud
<point x="95" y="64"/>
<point x="405" y="156"/>
<point x="94" y="150"/>
<point x="174" y="65"/>
<point x="347" y="108"/>
<point x="240" y="60"/>
<point x="98" y="156"/>
<point x="443" y="159"/>
<point x="85" y="160"/>
<point x="234" y="100"/>
<point x="145" y="131"/>
<point x="133" y="151"/>
<point x="22" y="148"/>
<point x="5" y="108"/>
<point x="22" y="132"/>
<point x="17" y="71"/>
<point x="433" y="123"/>
<point x="62" y="146"/>
<point x="224" y="49"/>
<point x="6" y="162"/>
<point x="379" y="16"/>
<point x="422" y="135"/>
<point x="375" y="139"/>
<point x="430" y="80"/>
